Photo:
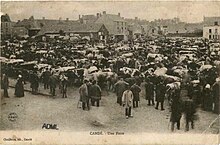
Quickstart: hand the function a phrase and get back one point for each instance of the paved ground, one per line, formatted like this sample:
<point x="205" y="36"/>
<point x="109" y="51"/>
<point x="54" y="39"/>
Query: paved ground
<point x="35" y="110"/>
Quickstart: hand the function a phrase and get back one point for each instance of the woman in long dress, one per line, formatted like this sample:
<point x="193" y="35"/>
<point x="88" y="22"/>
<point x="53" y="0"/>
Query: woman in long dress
<point x="19" y="87"/>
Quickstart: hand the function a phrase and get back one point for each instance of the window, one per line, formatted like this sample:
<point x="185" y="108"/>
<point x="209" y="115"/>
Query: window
<point x="177" y="32"/>
<point x="216" y="30"/>
<point x="210" y="30"/>
<point x="210" y="36"/>
<point x="152" y="30"/>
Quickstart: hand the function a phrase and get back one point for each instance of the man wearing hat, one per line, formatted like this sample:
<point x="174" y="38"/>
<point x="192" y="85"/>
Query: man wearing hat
<point x="34" y="82"/>
<point x="149" y="89"/>
<point x="189" y="111"/>
<point x="64" y="83"/>
<point x="207" y="98"/>
<point x="160" y="93"/>
<point x="84" y="94"/>
<point x="53" y="82"/>
<point x="5" y="84"/>
<point x="135" y="90"/>
<point x="120" y="87"/>
<point x="95" y="93"/>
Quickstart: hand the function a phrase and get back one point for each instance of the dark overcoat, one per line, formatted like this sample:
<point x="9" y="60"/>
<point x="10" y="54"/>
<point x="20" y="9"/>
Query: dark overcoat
<point x="136" y="90"/>
<point x="160" y="92"/>
<point x="149" y="89"/>
<point x="19" y="88"/>
<point x="95" y="92"/>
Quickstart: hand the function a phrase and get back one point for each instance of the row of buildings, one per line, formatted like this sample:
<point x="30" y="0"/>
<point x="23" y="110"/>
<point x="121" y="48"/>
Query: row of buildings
<point x="103" y="26"/>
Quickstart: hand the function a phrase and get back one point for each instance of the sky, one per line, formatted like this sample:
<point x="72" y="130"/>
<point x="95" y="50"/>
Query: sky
<point x="192" y="12"/>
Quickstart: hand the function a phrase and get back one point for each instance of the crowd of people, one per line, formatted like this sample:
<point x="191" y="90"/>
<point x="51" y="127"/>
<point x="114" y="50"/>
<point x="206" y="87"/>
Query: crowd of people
<point x="183" y="71"/>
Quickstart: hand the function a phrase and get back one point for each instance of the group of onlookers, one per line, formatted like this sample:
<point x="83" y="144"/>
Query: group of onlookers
<point x="89" y="91"/>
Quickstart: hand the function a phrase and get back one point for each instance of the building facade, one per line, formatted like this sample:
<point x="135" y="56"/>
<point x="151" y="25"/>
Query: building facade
<point x="135" y="28"/>
<point x="33" y="25"/>
<point x="93" y="31"/>
<point x="6" y="26"/>
<point x="211" y="32"/>
<point x="115" y="24"/>
<point x="20" y="31"/>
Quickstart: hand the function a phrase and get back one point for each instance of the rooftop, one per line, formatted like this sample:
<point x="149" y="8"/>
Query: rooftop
<point x="5" y="18"/>
<point x="56" y="28"/>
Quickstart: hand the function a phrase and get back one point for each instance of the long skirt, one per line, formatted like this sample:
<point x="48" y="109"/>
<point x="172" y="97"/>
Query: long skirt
<point x="19" y="90"/>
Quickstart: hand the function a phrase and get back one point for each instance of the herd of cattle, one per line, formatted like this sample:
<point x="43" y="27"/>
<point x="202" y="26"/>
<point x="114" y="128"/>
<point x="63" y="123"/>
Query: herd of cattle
<point x="175" y="60"/>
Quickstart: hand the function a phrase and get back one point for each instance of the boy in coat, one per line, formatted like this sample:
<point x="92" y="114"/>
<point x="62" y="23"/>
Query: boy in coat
<point x="127" y="99"/>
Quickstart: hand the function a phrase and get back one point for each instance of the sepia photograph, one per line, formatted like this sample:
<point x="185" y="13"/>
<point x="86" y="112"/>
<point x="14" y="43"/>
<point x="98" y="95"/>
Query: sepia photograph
<point x="109" y="69"/>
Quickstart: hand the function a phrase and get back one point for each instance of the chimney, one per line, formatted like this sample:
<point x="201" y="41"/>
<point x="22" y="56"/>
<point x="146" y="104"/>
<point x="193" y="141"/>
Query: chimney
<point x="104" y="12"/>
<point x="79" y="17"/>
<point x="119" y="14"/>
<point x="43" y="18"/>
<point x="97" y="15"/>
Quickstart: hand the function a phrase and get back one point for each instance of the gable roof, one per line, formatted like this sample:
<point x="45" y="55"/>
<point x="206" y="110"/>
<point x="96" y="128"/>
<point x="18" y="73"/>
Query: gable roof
<point x="211" y="19"/>
<point x="108" y="20"/>
<point x="184" y="27"/>
<point x="70" y="28"/>
<point x="89" y="17"/>
<point x="32" y="23"/>
<point x="109" y="17"/>
<point x="43" y="22"/>
<point x="27" y="23"/>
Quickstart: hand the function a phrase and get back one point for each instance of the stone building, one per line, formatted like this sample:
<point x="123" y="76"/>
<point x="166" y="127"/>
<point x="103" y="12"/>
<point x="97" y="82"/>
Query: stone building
<point x="115" y="24"/>
<point x="6" y="26"/>
<point x="212" y="32"/>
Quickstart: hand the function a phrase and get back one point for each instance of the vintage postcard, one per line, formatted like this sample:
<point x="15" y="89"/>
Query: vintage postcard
<point x="110" y="72"/>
